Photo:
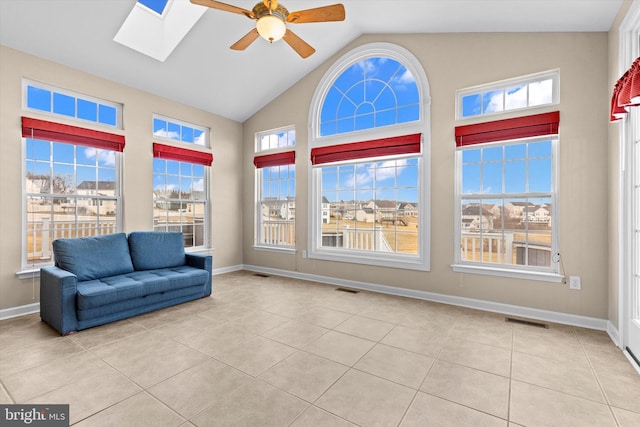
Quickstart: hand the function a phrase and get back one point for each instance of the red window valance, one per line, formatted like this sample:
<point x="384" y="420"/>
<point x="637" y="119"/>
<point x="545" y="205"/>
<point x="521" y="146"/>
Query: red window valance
<point x="503" y="130"/>
<point x="405" y="144"/>
<point x="626" y="92"/>
<point x="168" y="152"/>
<point x="51" y="131"/>
<point x="277" y="159"/>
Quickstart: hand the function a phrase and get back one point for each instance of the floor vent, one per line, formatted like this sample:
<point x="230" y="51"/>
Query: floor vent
<point x="349" y="291"/>
<point x="527" y="322"/>
<point x="261" y="275"/>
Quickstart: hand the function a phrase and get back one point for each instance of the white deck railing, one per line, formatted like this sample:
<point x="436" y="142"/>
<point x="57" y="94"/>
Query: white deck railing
<point x="45" y="231"/>
<point x="278" y="233"/>
<point x="367" y="240"/>
<point x="491" y="245"/>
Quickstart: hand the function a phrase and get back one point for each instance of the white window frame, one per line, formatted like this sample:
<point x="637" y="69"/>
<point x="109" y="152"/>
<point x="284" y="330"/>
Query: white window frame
<point x="550" y="274"/>
<point x="258" y="191"/>
<point x="315" y="250"/>
<point x="206" y="244"/>
<point x="554" y="75"/>
<point x="32" y="269"/>
<point x="170" y="141"/>
<point x="54" y="89"/>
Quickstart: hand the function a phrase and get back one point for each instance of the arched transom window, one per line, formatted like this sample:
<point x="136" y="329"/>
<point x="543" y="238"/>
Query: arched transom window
<point x="371" y="93"/>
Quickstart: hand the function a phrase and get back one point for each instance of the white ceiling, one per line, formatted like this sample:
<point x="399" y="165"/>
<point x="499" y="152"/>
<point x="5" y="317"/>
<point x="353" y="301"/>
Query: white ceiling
<point x="203" y="72"/>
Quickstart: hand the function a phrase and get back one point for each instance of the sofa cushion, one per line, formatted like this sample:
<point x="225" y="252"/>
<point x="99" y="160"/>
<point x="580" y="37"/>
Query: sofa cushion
<point x="156" y="249"/>
<point x="108" y="290"/>
<point x="92" y="258"/>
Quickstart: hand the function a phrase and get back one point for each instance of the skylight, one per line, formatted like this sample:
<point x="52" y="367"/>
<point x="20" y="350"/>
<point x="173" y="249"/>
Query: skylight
<point x="157" y="6"/>
<point x="156" y="27"/>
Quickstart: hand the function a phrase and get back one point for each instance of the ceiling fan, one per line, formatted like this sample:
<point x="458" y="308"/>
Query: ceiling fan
<point x="271" y="22"/>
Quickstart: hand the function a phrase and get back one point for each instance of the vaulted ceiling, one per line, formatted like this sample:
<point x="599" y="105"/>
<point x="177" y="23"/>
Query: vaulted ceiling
<point x="203" y="72"/>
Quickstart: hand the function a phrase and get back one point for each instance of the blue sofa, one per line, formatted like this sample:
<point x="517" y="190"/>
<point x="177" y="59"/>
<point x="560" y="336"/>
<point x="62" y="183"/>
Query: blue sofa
<point x="96" y="280"/>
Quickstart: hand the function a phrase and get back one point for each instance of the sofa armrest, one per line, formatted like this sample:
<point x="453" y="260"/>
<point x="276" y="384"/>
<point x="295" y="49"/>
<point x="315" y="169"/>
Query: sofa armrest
<point x="58" y="299"/>
<point x="204" y="262"/>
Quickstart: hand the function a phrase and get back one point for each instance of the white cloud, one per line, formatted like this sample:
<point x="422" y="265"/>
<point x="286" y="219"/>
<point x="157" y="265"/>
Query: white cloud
<point x="516" y="98"/>
<point x="541" y="93"/>
<point x="494" y="104"/>
<point x="405" y="78"/>
<point x="104" y="157"/>
<point x="166" y="134"/>
<point x="198" y="185"/>
<point x="380" y="172"/>
<point x="200" y="140"/>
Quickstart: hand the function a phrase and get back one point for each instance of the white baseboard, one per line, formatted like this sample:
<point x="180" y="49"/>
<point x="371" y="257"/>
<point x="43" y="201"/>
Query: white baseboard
<point x="224" y="270"/>
<point x="508" y="309"/>
<point x="614" y="334"/>
<point x="8" y="313"/>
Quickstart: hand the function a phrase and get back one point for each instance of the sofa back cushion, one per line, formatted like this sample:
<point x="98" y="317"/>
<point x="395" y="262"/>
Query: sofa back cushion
<point x="156" y="249"/>
<point x="92" y="258"/>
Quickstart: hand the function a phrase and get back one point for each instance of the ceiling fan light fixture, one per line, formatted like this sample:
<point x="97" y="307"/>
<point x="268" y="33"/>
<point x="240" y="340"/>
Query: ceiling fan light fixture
<point x="271" y="28"/>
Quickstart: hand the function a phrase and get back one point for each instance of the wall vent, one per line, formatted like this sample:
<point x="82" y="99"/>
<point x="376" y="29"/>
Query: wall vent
<point x="527" y="322"/>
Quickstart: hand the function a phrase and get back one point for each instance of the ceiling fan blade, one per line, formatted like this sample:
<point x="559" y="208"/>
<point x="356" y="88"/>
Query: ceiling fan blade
<point x="334" y="12"/>
<point x="245" y="41"/>
<point x="223" y="6"/>
<point x="300" y="46"/>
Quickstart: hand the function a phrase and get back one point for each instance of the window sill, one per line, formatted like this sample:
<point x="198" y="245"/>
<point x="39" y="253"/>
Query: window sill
<point x="400" y="261"/>
<point x="281" y="249"/>
<point x="28" y="274"/>
<point x="505" y="272"/>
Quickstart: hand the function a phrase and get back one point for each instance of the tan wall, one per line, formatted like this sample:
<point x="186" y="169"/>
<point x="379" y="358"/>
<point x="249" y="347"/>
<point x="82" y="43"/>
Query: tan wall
<point x="451" y="62"/>
<point x="226" y="137"/>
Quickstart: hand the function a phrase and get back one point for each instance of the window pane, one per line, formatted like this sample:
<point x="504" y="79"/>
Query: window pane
<point x="516" y="151"/>
<point x="471" y="105"/>
<point x="540" y="149"/>
<point x="107" y="115"/>
<point x="540" y="175"/>
<point x="187" y="134"/>
<point x="471" y="179"/>
<point x="541" y="93"/>
<point x="38" y="149"/>
<point x="173" y="131"/>
<point x="87" y="110"/>
<point x="515" y="176"/>
<point x="199" y="137"/>
<point x="173" y="167"/>
<point x="492" y="178"/>
<point x="515" y="97"/>
<point x="490" y="154"/>
<point x="160" y="128"/>
<point x="63" y="153"/>
<point x="493" y="101"/>
<point x="39" y="99"/>
<point x="64" y="104"/>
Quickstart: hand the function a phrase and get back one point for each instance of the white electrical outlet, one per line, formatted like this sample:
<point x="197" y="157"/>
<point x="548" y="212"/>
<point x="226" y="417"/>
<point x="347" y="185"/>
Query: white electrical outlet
<point x="575" y="283"/>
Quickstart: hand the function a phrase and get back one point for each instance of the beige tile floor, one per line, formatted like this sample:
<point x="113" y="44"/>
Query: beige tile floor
<point x="281" y="352"/>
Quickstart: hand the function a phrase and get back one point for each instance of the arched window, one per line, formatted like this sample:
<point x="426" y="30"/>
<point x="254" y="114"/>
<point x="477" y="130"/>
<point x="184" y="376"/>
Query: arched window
<point x="369" y="149"/>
